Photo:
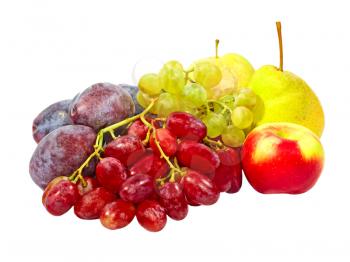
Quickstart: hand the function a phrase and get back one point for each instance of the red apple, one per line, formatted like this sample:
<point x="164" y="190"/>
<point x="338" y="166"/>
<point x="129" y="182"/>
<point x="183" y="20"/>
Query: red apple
<point x="282" y="158"/>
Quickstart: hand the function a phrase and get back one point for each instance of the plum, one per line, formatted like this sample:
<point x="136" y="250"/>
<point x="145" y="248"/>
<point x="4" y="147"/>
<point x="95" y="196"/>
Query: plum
<point x="61" y="152"/>
<point x="101" y="105"/>
<point x="51" y="118"/>
<point x="132" y="90"/>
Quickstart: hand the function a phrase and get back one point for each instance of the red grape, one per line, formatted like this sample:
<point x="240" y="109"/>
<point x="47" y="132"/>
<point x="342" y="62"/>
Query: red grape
<point x="199" y="188"/>
<point x="173" y="200"/>
<point x="91" y="183"/>
<point x="186" y="126"/>
<point x="228" y="176"/>
<point x="167" y="142"/>
<point x="60" y="195"/>
<point x="151" y="215"/>
<point x="198" y="157"/>
<point x="111" y="174"/>
<point x="117" y="214"/>
<point x="138" y="129"/>
<point x="151" y="164"/>
<point x="90" y="205"/>
<point x="53" y="117"/>
<point x="101" y="105"/>
<point x="61" y="152"/>
<point x="137" y="188"/>
<point x="128" y="149"/>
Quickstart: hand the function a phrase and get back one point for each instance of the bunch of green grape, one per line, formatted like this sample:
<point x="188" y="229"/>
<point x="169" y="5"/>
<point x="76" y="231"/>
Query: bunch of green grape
<point x="231" y="116"/>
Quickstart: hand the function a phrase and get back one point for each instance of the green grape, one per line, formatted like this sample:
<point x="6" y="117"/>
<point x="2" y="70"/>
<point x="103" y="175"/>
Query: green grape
<point x="149" y="84"/>
<point x="233" y="136"/>
<point x="144" y="100"/>
<point x="215" y="123"/>
<point x="172" y="78"/>
<point x="246" y="97"/>
<point x="166" y="104"/>
<point x="207" y="74"/>
<point x="242" y="117"/>
<point x="228" y="100"/>
<point x="195" y="94"/>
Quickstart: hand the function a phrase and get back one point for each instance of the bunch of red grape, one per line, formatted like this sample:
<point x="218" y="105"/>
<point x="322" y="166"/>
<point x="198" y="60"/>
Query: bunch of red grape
<point x="150" y="179"/>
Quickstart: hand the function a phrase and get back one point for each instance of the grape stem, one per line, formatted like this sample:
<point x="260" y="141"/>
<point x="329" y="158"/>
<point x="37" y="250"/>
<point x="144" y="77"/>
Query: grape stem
<point x="98" y="147"/>
<point x="162" y="154"/>
<point x="221" y="104"/>
<point x="211" y="142"/>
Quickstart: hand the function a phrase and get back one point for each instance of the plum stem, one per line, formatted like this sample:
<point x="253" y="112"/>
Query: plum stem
<point x="279" y="33"/>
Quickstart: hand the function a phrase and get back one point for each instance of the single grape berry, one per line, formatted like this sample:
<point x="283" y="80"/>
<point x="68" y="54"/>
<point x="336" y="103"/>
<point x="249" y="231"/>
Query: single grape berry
<point x="173" y="200"/>
<point x="215" y="123"/>
<point x="90" y="205"/>
<point x="166" y="104"/>
<point x="186" y="126"/>
<point x="128" y="149"/>
<point x="172" y="78"/>
<point x="242" y="117"/>
<point x="60" y="195"/>
<point x="233" y="136"/>
<point x="151" y="215"/>
<point x="228" y="176"/>
<point x="207" y="74"/>
<point x="117" y="214"/>
<point x="91" y="184"/>
<point x="149" y="84"/>
<point x="198" y="157"/>
<point x="137" y="188"/>
<point x="167" y="141"/>
<point x="199" y="188"/>
<point x="151" y="164"/>
<point x="195" y="94"/>
<point x="138" y="129"/>
<point x="111" y="174"/>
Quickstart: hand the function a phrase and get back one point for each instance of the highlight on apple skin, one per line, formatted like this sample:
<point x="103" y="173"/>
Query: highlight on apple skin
<point x="282" y="158"/>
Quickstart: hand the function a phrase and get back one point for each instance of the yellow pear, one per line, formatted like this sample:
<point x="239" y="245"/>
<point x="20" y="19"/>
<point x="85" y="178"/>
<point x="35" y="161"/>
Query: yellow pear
<point x="286" y="97"/>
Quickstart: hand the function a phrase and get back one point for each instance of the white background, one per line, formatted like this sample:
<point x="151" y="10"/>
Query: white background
<point x="50" y="50"/>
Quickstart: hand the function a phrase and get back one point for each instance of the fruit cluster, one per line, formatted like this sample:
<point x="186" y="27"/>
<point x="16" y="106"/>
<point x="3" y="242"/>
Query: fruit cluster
<point x="179" y="139"/>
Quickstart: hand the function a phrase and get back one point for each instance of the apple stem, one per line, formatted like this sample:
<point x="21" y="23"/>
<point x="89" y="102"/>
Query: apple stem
<point x="217" y="41"/>
<point x="279" y="32"/>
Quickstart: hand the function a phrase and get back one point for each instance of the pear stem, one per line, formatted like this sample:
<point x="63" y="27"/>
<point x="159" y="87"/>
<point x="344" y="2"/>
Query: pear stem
<point x="217" y="41"/>
<point x="279" y="32"/>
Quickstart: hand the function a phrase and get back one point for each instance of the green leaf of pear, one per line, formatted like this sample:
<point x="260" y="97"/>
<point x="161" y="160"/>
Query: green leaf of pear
<point x="286" y="97"/>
